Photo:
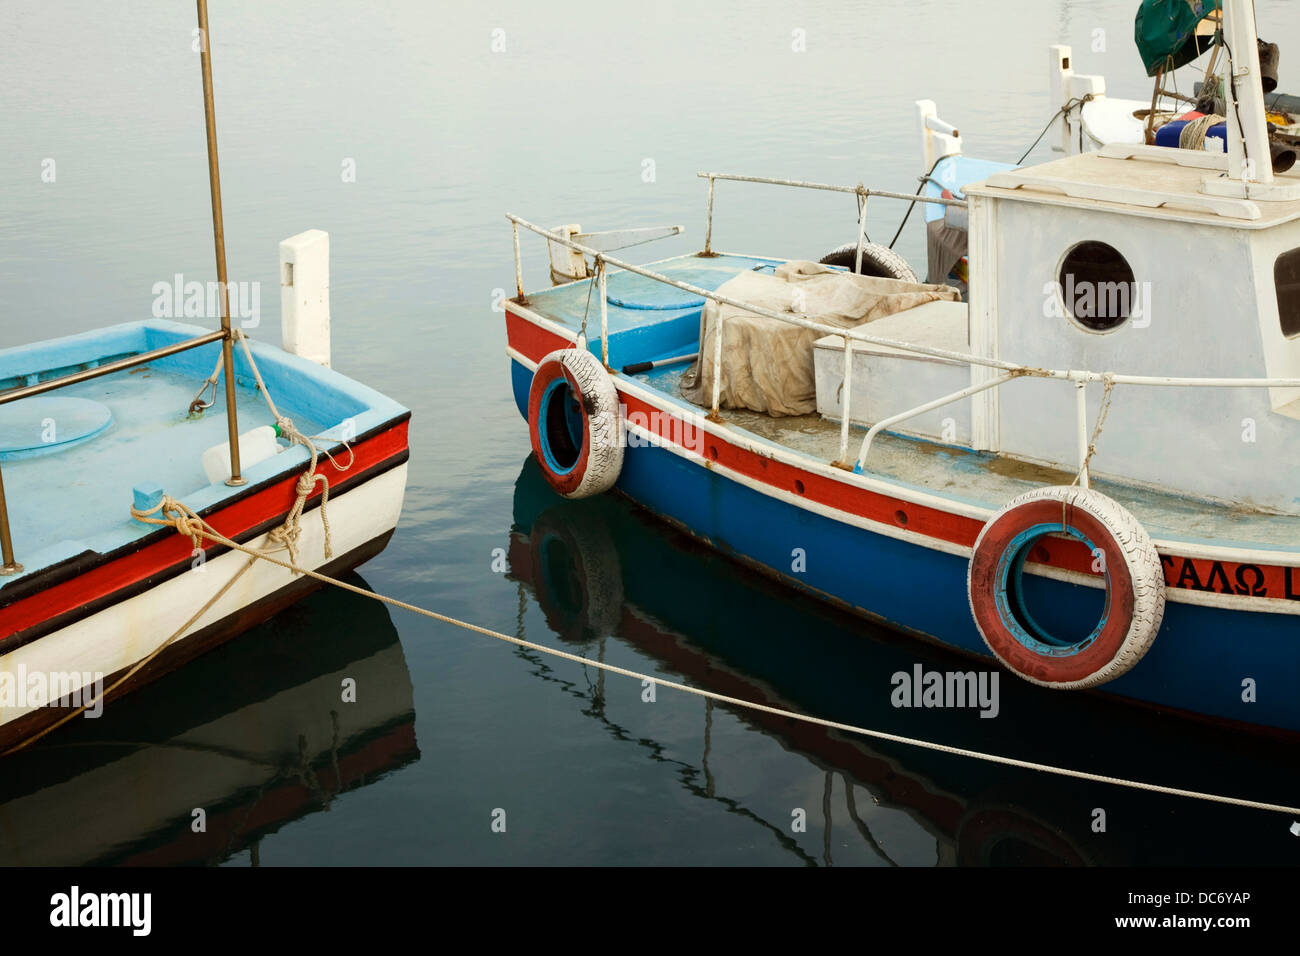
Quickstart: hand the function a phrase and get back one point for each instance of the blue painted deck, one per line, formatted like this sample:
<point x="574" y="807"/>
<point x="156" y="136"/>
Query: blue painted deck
<point x="78" y="496"/>
<point x="654" y="321"/>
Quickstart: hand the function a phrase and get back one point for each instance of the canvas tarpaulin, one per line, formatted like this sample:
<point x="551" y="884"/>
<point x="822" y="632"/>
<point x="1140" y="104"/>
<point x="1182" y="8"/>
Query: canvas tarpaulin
<point x="1165" y="31"/>
<point x="767" y="364"/>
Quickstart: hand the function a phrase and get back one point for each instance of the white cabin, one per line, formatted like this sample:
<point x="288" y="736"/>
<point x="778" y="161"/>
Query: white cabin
<point x="1134" y="260"/>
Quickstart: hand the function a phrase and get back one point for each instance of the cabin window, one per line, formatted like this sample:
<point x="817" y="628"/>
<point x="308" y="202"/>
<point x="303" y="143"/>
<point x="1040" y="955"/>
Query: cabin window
<point x="1097" y="286"/>
<point x="1286" y="275"/>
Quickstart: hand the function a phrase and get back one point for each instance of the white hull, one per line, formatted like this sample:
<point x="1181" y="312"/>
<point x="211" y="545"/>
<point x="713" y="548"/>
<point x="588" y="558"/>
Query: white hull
<point x="114" y="639"/>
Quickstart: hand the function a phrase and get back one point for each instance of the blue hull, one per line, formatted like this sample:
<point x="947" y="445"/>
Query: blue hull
<point x="1200" y="661"/>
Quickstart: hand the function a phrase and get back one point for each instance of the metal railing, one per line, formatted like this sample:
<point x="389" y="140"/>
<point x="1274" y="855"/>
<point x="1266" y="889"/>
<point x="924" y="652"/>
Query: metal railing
<point x="225" y="336"/>
<point x="854" y="336"/>
<point x="860" y="191"/>
<point x="10" y="566"/>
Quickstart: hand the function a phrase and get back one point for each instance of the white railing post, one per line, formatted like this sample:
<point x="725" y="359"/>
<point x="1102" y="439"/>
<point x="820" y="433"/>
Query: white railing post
<point x="604" y="312"/>
<point x="717" y="369"/>
<point x="884" y="423"/>
<point x="846" y="393"/>
<point x="862" y="228"/>
<point x="1081" y="421"/>
<point x="519" y="265"/>
<point x="708" y="226"/>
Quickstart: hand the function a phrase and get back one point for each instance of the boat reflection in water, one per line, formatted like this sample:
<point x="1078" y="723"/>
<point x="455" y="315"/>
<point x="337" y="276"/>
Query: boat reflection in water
<point x="255" y="733"/>
<point x="602" y="571"/>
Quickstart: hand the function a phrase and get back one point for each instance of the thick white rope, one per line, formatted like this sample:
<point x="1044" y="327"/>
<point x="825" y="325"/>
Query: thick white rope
<point x="188" y="522"/>
<point x="287" y="534"/>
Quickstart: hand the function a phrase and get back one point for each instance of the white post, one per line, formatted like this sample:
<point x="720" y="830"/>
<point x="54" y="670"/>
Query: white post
<point x="601" y="268"/>
<point x="717" y="370"/>
<point x="708" y="227"/>
<point x="862" y="232"/>
<point x="519" y="265"/>
<point x="305" y="295"/>
<point x="938" y="139"/>
<point x="1060" y="69"/>
<point x="846" y="392"/>
<point x="1081" y="423"/>
<point x="1248" y="153"/>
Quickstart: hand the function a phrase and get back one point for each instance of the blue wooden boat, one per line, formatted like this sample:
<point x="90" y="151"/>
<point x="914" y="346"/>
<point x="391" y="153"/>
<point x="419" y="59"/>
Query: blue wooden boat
<point x="1083" y="471"/>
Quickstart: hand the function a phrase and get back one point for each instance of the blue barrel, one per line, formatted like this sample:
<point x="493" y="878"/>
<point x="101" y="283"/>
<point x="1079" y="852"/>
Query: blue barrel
<point x="1169" y="134"/>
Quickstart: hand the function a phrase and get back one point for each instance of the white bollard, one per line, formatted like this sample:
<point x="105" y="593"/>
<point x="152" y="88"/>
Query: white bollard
<point x="305" y="295"/>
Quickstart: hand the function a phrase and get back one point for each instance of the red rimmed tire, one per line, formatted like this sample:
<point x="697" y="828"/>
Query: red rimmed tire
<point x="573" y="423"/>
<point x="1121" y="549"/>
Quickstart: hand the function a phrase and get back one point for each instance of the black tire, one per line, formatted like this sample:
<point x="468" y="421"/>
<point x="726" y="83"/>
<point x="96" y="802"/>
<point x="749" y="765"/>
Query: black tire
<point x="877" y="260"/>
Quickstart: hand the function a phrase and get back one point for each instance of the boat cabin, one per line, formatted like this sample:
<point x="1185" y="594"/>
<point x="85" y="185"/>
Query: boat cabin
<point x="1117" y="261"/>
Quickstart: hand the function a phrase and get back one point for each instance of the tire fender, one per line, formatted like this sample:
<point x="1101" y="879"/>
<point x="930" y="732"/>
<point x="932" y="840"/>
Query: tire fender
<point x="574" y="423"/>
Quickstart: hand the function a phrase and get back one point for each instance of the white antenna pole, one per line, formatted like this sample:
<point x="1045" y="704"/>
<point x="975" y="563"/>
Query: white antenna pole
<point x="1248" y="152"/>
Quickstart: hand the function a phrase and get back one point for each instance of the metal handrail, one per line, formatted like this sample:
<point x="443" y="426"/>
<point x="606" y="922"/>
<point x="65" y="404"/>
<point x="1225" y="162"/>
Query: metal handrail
<point x="108" y="368"/>
<point x="10" y="566"/>
<point x="909" y="350"/>
<point x="862" y="192"/>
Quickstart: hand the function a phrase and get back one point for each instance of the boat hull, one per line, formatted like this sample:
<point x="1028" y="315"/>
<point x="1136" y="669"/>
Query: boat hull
<point x="102" y="615"/>
<point x="1211" y="659"/>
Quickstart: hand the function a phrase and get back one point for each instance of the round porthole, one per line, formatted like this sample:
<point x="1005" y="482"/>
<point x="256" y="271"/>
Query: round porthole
<point x="1097" y="286"/>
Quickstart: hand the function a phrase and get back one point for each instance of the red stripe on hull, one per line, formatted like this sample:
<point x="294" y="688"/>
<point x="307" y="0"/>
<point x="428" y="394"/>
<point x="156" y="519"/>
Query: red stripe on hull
<point x="531" y="339"/>
<point x="1189" y="574"/>
<point x="158" y="556"/>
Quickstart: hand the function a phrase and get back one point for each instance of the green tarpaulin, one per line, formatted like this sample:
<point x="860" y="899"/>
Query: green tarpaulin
<point x="1166" y="32"/>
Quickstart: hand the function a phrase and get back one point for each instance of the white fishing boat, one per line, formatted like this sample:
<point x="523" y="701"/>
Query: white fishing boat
<point x="1083" y="469"/>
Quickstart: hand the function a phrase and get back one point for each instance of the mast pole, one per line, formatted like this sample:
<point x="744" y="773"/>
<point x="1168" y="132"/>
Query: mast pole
<point x="1249" y="160"/>
<point x="219" y="239"/>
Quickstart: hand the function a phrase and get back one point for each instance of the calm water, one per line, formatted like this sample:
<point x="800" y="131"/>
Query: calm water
<point x="445" y="136"/>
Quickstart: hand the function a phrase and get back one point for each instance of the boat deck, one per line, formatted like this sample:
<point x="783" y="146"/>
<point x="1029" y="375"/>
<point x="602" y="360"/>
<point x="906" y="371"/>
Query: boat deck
<point x="76" y="496"/>
<point x="655" y="329"/>
<point x="989" y="481"/>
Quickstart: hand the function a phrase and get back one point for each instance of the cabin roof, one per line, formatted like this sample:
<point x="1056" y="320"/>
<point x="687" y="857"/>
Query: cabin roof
<point x="1152" y="182"/>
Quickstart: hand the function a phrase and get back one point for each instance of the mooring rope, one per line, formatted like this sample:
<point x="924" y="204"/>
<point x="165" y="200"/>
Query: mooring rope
<point x="1102" y="414"/>
<point x="188" y="523"/>
<point x="139" y="665"/>
<point x="287" y="534"/>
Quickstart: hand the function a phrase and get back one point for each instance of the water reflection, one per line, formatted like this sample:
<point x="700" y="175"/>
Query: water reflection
<point x="602" y="572"/>
<point x="255" y="733"/>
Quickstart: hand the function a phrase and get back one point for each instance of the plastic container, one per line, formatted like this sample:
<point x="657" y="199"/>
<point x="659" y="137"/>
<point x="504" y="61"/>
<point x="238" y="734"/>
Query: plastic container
<point x="255" y="445"/>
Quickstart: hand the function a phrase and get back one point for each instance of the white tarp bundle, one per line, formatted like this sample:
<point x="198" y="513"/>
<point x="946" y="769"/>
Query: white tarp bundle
<point x="767" y="365"/>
